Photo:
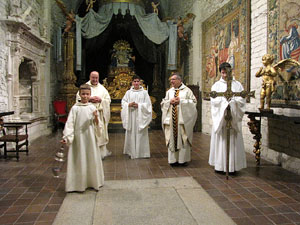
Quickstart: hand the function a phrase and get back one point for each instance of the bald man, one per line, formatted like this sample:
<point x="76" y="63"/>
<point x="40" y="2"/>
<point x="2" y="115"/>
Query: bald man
<point x="101" y="100"/>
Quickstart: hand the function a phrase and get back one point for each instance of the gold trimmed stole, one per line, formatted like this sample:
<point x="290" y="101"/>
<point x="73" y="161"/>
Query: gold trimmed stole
<point x="175" y="121"/>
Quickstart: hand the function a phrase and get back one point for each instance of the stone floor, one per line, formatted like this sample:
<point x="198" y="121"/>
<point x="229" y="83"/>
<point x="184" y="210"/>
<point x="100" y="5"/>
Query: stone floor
<point x="257" y="195"/>
<point x="147" y="202"/>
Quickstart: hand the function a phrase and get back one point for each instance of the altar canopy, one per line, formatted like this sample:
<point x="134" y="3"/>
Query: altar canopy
<point x="94" y="24"/>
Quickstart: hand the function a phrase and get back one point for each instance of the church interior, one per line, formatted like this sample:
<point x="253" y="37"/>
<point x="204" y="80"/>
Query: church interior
<point x="49" y="48"/>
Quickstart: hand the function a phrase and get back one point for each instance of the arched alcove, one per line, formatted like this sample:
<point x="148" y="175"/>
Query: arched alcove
<point x="27" y="76"/>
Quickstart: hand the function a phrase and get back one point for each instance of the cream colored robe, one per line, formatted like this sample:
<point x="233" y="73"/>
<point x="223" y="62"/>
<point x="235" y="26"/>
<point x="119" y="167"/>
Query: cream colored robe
<point x="84" y="166"/>
<point x="187" y="115"/>
<point x="135" y="122"/>
<point x="217" y="156"/>
<point x="104" y="111"/>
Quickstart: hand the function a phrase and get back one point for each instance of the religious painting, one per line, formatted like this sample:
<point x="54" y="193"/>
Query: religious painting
<point x="284" y="43"/>
<point x="226" y="39"/>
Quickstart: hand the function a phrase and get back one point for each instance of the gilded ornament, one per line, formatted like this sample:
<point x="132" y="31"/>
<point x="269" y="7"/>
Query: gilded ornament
<point x="268" y="74"/>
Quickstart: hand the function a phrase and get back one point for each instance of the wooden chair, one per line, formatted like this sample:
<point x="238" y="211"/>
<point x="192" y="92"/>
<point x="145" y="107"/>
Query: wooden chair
<point x="2" y="114"/>
<point x="60" y="113"/>
<point x="20" y="139"/>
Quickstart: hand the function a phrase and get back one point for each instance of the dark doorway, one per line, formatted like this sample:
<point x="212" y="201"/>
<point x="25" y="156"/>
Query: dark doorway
<point x="98" y="50"/>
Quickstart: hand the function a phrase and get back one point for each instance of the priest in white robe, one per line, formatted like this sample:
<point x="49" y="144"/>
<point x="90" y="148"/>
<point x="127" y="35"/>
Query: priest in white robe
<point x="136" y="116"/>
<point x="217" y="156"/>
<point x="179" y="115"/>
<point x="101" y="100"/>
<point x="84" y="166"/>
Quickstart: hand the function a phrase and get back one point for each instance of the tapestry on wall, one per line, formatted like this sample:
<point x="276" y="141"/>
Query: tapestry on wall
<point x="226" y="39"/>
<point x="283" y="43"/>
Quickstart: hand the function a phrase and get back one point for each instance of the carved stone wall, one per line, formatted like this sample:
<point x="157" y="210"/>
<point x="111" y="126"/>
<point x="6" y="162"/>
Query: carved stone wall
<point x="3" y="79"/>
<point x="24" y="40"/>
<point x="3" y="62"/>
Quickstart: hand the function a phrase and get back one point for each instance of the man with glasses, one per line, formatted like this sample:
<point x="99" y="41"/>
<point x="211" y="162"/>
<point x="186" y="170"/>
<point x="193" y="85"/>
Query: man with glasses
<point x="179" y="115"/>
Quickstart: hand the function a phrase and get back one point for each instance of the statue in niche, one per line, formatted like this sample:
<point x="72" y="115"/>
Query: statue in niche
<point x="15" y="8"/>
<point x="180" y="29"/>
<point x="122" y="58"/>
<point x="44" y="32"/>
<point x="154" y="7"/>
<point x="268" y="74"/>
<point x="90" y="4"/>
<point x="122" y="55"/>
<point x="70" y="16"/>
<point x="183" y="25"/>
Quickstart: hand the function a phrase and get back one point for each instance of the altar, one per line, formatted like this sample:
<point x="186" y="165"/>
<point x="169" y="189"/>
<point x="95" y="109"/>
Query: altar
<point x="118" y="81"/>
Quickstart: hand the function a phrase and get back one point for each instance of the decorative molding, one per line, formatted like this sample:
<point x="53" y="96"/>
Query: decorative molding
<point x="24" y="45"/>
<point x="16" y="26"/>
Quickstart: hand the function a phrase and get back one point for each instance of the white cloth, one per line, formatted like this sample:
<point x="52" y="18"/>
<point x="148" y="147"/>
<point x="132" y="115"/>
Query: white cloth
<point x="237" y="156"/>
<point x="135" y="122"/>
<point x="104" y="111"/>
<point x="187" y="115"/>
<point x="84" y="166"/>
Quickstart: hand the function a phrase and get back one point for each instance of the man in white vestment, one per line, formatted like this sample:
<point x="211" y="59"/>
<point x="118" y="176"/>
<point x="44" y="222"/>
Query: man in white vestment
<point x="217" y="156"/>
<point x="136" y="116"/>
<point x="101" y="100"/>
<point x="179" y="115"/>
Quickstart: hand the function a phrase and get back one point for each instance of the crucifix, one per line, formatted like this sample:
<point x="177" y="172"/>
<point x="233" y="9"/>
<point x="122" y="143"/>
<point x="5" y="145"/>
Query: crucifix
<point x="228" y="94"/>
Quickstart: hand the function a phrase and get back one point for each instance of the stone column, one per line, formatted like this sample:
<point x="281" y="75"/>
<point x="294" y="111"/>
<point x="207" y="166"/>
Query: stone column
<point x="35" y="97"/>
<point x="9" y="78"/>
<point x="15" y="86"/>
<point x="43" y="89"/>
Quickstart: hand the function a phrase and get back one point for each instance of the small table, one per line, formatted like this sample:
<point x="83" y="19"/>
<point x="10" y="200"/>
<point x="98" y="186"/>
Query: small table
<point x="6" y="113"/>
<point x="255" y="127"/>
<point x="19" y="139"/>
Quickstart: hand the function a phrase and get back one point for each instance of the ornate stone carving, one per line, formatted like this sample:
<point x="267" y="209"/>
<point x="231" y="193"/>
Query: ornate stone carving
<point x="14" y="8"/>
<point x="24" y="47"/>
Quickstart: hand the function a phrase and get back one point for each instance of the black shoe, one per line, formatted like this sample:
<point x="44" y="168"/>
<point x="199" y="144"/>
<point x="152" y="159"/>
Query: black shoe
<point x="219" y="172"/>
<point x="174" y="164"/>
<point x="232" y="173"/>
<point x="183" y="164"/>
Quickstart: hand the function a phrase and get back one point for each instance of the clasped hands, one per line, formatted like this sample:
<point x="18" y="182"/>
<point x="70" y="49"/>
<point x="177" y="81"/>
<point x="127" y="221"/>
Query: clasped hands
<point x="96" y="120"/>
<point x="133" y="104"/>
<point x="175" y="101"/>
<point x="95" y="99"/>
